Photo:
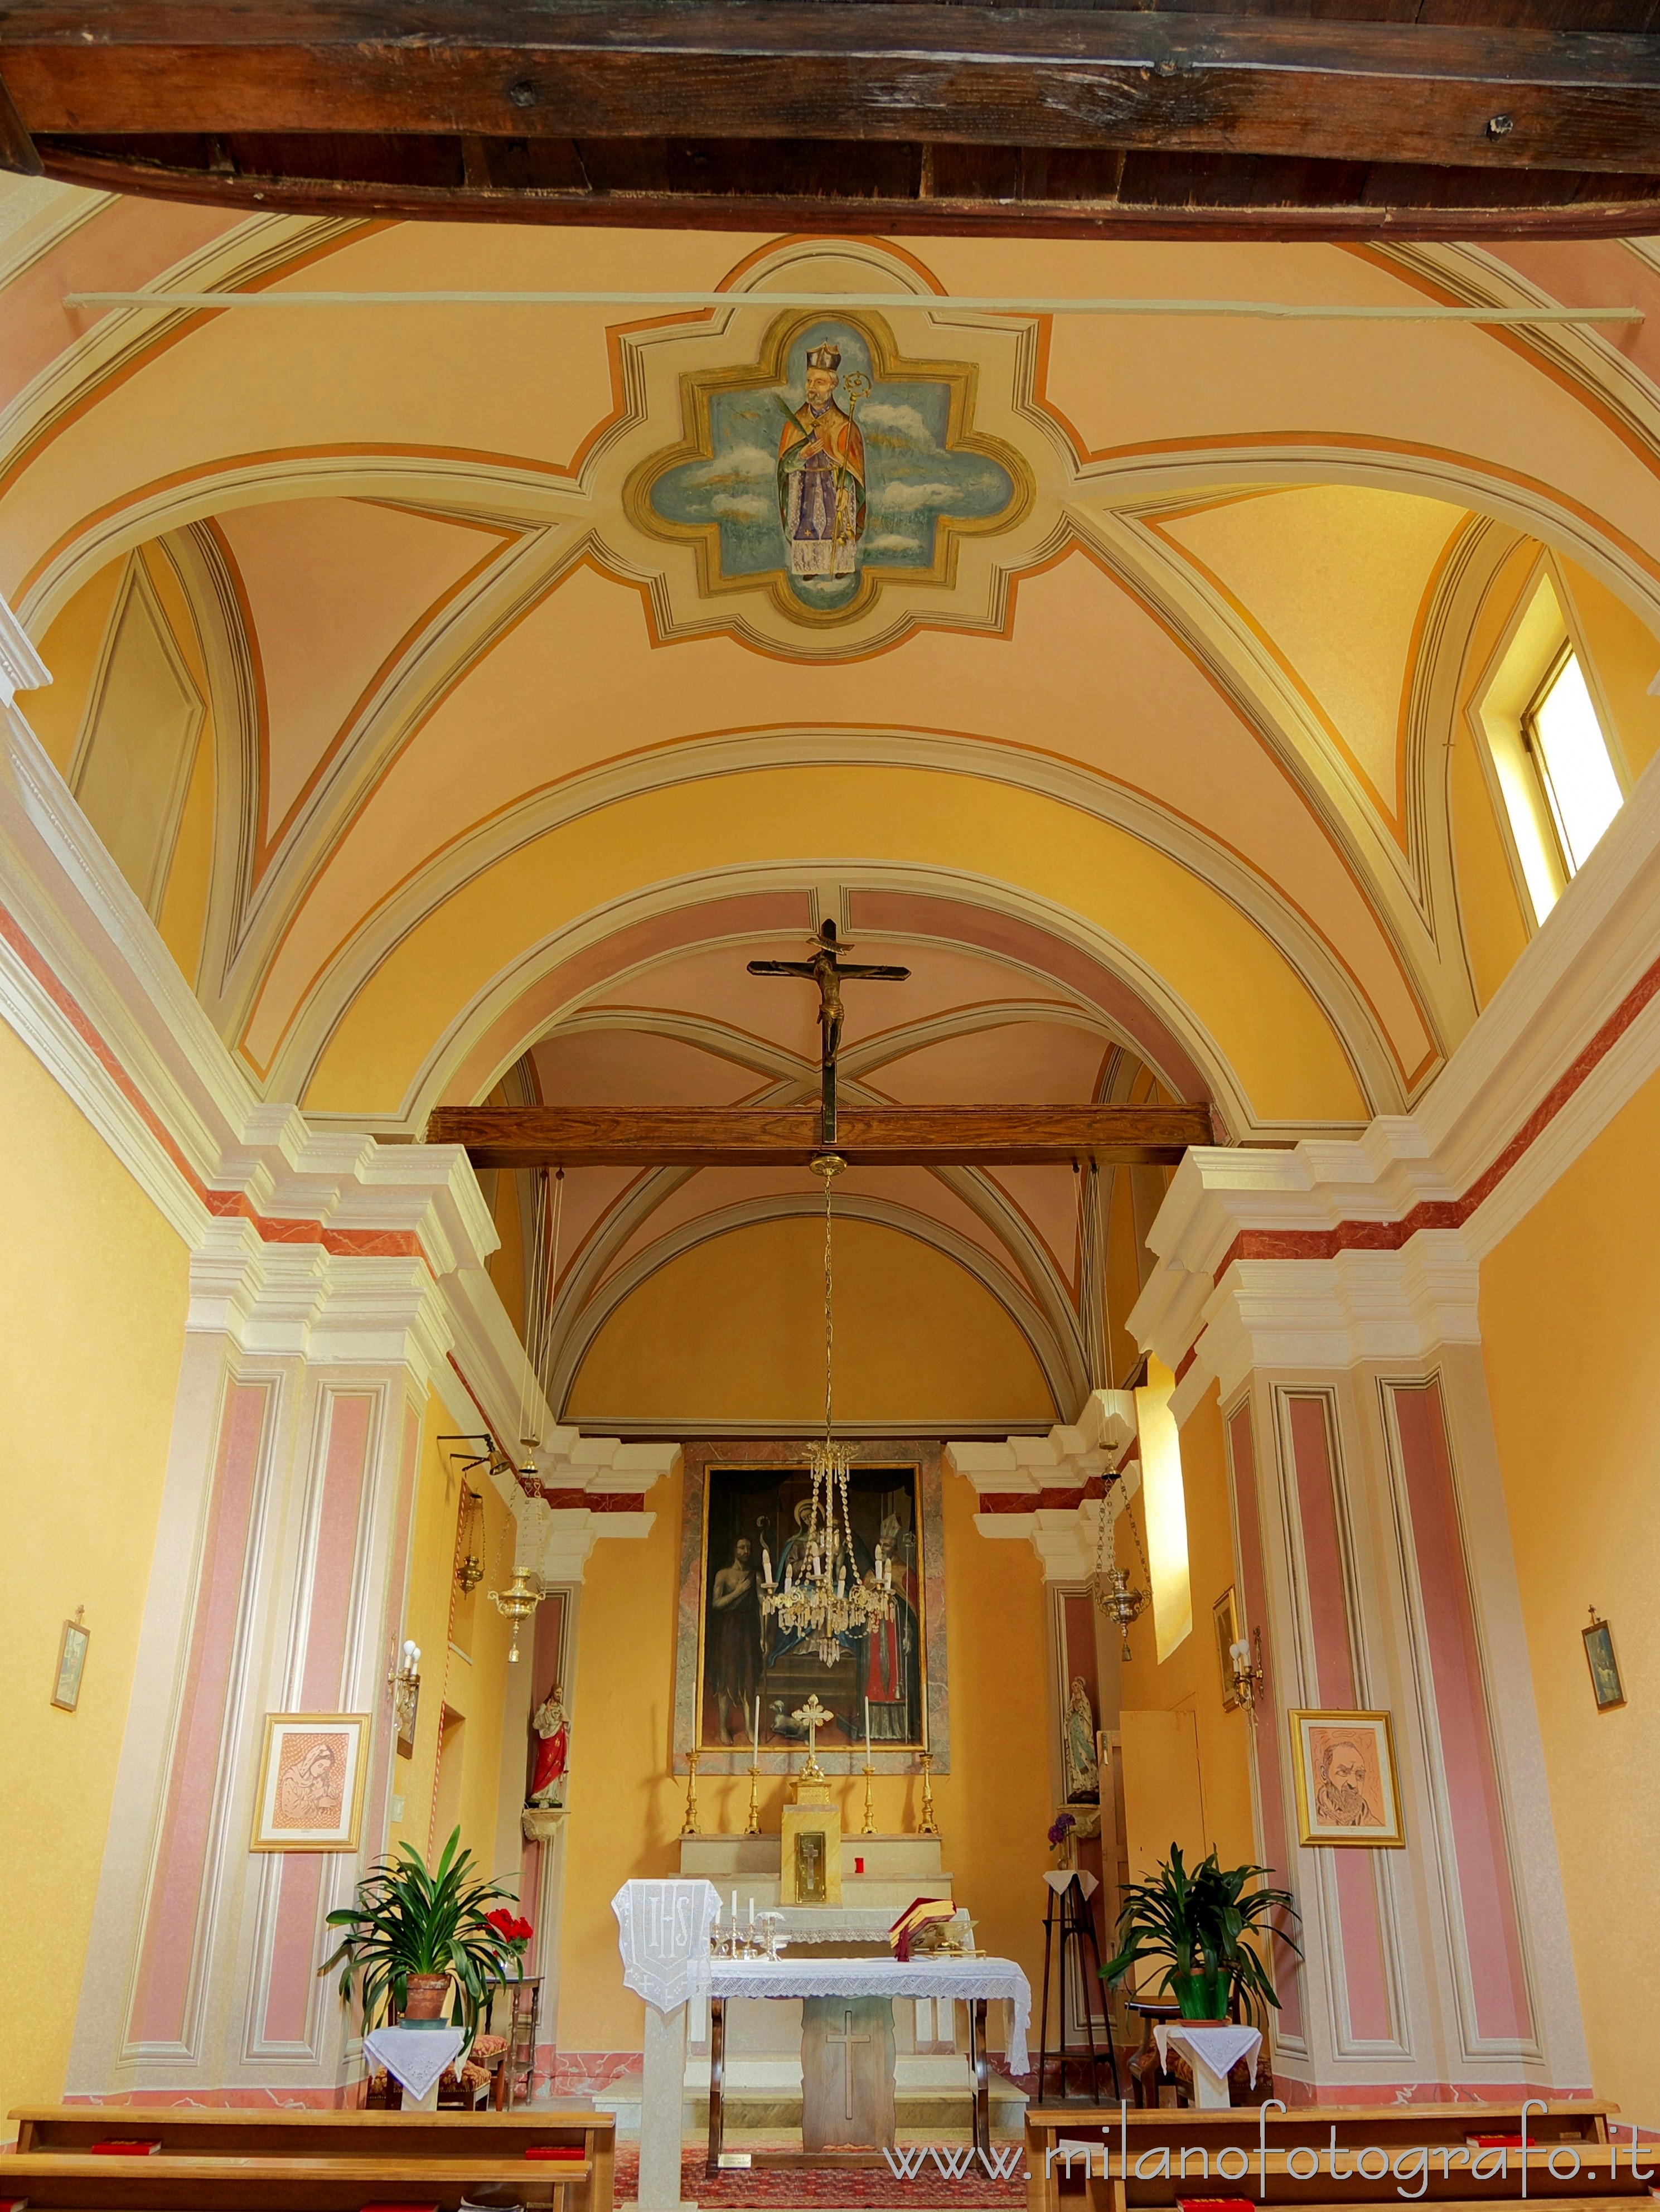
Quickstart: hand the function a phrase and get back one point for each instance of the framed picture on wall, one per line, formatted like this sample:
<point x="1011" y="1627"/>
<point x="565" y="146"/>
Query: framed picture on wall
<point x="1606" y="1685"/>
<point x="1348" y="1788"/>
<point x="71" y="1662"/>
<point x="1225" y="1618"/>
<point x="310" y="1783"/>
<point x="747" y="1507"/>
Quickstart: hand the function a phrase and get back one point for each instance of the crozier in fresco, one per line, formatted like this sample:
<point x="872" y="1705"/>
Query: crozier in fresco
<point x="830" y="462"/>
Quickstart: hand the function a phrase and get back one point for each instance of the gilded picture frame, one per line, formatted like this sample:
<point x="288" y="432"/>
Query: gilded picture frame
<point x="1348" y="1787"/>
<point x="312" y="1767"/>
<point x="1224" y="1620"/>
<point x="903" y="1668"/>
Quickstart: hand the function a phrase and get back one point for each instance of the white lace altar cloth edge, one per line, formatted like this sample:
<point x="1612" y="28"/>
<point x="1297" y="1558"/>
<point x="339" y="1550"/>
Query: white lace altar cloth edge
<point x="1221" y="2048"/>
<point x="663" y="1933"/>
<point x="965" y="1978"/>
<point x="416" y="2056"/>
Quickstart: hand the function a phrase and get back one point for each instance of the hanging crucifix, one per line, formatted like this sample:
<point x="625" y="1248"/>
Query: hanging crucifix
<point x="827" y="969"/>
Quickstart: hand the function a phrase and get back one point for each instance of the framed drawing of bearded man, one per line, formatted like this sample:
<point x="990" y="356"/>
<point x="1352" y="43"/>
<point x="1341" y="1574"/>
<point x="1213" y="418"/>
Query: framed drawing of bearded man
<point x="1348" y="1788"/>
<point x="749" y="1510"/>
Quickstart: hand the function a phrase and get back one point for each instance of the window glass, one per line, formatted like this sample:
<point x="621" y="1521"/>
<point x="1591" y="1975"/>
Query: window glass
<point x="1571" y="755"/>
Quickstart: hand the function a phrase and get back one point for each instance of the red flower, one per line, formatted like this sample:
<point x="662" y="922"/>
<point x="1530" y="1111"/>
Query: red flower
<point x="501" y="1921"/>
<point x="522" y="1931"/>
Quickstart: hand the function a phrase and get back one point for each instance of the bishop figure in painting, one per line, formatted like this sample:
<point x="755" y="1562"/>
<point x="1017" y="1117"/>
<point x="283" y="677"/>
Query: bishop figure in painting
<point x="821" y="475"/>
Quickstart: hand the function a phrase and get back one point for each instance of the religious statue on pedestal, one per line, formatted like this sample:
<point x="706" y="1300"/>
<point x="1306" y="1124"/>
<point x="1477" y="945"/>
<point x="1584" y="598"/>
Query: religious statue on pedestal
<point x="1077" y="1747"/>
<point x="552" y="1727"/>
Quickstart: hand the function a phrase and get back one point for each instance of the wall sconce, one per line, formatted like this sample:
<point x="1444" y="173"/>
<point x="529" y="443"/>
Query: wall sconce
<point x="405" y="1683"/>
<point x="470" y="1571"/>
<point x="1247" y="1677"/>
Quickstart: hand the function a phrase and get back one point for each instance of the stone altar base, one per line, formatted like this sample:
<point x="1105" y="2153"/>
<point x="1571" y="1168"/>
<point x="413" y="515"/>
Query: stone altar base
<point x="847" y="2073"/>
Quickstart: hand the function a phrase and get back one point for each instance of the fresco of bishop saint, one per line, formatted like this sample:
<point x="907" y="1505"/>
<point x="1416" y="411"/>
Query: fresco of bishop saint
<point x="821" y="475"/>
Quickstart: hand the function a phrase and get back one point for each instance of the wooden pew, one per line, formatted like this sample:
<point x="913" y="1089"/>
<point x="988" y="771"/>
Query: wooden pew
<point x="304" y="2161"/>
<point x="1573" y="2158"/>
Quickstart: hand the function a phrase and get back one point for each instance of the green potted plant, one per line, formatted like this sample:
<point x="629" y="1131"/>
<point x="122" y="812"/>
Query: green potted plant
<point x="412" y="1930"/>
<point x="1197" y="1924"/>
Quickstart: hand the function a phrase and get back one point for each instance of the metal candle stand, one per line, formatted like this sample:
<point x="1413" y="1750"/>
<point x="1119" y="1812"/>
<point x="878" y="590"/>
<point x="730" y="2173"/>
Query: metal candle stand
<point x="1077" y="1928"/>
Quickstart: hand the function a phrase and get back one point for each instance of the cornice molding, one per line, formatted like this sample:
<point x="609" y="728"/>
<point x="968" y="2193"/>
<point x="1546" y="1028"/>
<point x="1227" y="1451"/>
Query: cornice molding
<point x="22" y="668"/>
<point x="318" y="1243"/>
<point x="1060" y="1527"/>
<point x="1334" y="1252"/>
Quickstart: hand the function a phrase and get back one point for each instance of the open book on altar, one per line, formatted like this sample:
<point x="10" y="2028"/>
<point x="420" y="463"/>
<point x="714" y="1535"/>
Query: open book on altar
<point x="925" y="1914"/>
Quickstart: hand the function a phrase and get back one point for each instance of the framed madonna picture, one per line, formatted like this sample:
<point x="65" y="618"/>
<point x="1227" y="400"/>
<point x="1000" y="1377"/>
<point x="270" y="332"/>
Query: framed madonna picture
<point x="741" y="1678"/>
<point x="310" y="1783"/>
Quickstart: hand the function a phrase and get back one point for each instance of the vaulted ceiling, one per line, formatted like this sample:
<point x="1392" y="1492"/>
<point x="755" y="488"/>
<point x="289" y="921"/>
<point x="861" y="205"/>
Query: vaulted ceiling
<point x="458" y="748"/>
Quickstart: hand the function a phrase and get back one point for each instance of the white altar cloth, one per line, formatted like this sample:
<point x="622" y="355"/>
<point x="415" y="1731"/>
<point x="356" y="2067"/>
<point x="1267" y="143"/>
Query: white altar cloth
<point x="968" y="1978"/>
<point x="416" y="2057"/>
<point x="1211" y="2052"/>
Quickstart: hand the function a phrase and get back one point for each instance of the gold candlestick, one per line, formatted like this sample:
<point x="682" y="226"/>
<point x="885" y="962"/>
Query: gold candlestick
<point x="690" y="1827"/>
<point x="868" y="1827"/>
<point x="753" y="1825"/>
<point x="928" y="1826"/>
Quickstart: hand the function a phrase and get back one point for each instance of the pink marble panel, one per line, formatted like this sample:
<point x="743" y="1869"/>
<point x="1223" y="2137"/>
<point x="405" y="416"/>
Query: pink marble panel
<point x="170" y="1917"/>
<point x="1330" y="1663"/>
<point x="1242" y="1454"/>
<point x="332" y="1566"/>
<point x="1487" y="1891"/>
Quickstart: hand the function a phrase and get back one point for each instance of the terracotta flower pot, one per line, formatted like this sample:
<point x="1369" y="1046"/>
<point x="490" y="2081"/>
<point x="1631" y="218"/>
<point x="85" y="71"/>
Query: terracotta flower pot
<point x="425" y="1997"/>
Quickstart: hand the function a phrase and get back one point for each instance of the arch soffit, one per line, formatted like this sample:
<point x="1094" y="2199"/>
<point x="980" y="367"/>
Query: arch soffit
<point x="327" y="1005"/>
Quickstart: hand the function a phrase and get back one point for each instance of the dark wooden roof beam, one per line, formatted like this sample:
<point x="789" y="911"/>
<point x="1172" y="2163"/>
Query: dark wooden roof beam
<point x="1040" y="76"/>
<point x="757" y="1136"/>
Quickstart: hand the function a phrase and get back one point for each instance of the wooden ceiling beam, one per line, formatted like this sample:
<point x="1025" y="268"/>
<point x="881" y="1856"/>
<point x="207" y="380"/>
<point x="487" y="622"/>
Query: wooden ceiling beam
<point x="774" y="1137"/>
<point x="1323" y="88"/>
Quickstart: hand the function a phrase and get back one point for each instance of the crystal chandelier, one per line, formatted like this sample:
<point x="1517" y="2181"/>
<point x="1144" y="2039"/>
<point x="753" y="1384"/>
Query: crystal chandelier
<point x="1110" y="1588"/>
<point x="831" y="1599"/>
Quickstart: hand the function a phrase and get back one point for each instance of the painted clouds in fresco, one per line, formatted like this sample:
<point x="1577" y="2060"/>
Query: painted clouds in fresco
<point x="914" y="479"/>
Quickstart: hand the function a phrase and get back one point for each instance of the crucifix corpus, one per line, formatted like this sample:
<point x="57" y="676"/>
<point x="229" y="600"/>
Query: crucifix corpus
<point x="829" y="970"/>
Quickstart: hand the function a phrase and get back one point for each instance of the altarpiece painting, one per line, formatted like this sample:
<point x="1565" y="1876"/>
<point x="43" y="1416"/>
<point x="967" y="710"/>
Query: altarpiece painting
<point x="745" y="1502"/>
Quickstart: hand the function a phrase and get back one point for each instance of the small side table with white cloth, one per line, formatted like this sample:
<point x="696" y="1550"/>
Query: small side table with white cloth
<point x="1212" y="2053"/>
<point x="977" y="1981"/>
<point x="416" y="2058"/>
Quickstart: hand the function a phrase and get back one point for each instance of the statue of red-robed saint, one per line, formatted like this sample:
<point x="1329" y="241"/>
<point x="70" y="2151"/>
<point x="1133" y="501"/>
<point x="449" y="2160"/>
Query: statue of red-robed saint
<point x="821" y="475"/>
<point x="552" y="1727"/>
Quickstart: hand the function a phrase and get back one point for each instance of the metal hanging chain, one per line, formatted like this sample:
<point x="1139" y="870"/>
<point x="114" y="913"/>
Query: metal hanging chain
<point x="829" y="1307"/>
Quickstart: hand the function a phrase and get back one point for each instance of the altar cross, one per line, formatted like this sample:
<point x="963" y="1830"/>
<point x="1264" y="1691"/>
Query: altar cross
<point x="829" y="970"/>
<point x="815" y="1716"/>
<point x="847" y="2039"/>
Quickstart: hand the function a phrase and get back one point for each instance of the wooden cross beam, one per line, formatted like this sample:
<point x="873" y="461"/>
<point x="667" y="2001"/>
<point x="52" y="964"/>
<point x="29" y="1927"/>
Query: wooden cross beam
<point x="1507" y="90"/>
<point x="790" y="1136"/>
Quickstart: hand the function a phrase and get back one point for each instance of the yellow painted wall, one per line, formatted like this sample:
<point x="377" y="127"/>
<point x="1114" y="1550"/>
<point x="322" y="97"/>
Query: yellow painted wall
<point x="1570" y="1321"/>
<point x="993" y="1807"/>
<point x="92" y="1294"/>
<point x="734" y="1328"/>
<point x="473" y="1686"/>
<point x="1189" y="1680"/>
<point x="71" y="649"/>
<point x="1489" y="910"/>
